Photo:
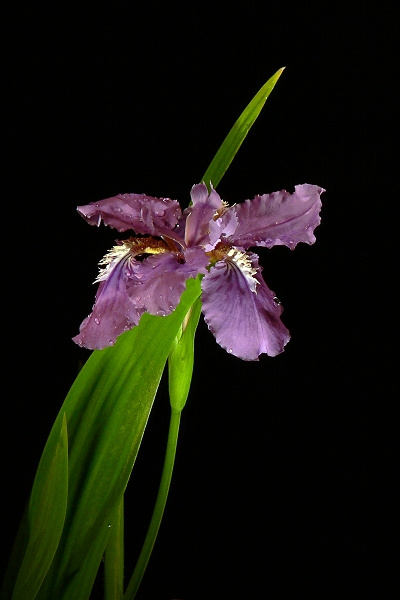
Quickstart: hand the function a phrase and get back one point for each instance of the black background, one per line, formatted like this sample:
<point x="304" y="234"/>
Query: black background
<point x="268" y="494"/>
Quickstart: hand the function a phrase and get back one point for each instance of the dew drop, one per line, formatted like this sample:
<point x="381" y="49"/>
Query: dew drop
<point x="230" y="350"/>
<point x="276" y="300"/>
<point x="97" y="321"/>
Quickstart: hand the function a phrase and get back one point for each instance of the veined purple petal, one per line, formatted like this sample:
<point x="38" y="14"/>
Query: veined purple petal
<point x="222" y="228"/>
<point x="279" y="218"/>
<point x="143" y="214"/>
<point x="246" y="323"/>
<point x="157" y="285"/>
<point x="113" y="311"/>
<point x="204" y="207"/>
<point x="199" y="193"/>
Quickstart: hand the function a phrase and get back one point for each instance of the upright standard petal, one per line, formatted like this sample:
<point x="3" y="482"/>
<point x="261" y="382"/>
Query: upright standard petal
<point x="199" y="215"/>
<point x="143" y="214"/>
<point x="240" y="310"/>
<point x="113" y="311"/>
<point x="278" y="219"/>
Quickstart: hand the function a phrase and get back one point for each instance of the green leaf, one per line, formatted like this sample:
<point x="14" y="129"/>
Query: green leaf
<point x="114" y="557"/>
<point x="107" y="410"/>
<point x="46" y="514"/>
<point x="235" y="137"/>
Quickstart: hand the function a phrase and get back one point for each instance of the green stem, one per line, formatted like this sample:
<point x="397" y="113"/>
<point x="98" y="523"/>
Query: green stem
<point x="114" y="557"/>
<point x="159" y="506"/>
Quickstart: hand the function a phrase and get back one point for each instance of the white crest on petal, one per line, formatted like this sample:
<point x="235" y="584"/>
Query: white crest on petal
<point x="243" y="263"/>
<point x="111" y="259"/>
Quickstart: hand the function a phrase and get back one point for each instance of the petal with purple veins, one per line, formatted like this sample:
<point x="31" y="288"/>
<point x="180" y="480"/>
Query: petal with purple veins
<point x="199" y="215"/>
<point x="280" y="218"/>
<point x="222" y="228"/>
<point x="113" y="311"/>
<point x="143" y="214"/>
<point x="246" y="323"/>
<point x="157" y="285"/>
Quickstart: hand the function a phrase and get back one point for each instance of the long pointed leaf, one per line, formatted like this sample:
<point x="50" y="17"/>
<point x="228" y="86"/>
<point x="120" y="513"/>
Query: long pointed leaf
<point x="46" y="514"/>
<point x="107" y="410"/>
<point x="235" y="137"/>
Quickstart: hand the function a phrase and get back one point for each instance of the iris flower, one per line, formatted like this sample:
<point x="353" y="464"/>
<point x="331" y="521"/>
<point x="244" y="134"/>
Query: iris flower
<point x="147" y="272"/>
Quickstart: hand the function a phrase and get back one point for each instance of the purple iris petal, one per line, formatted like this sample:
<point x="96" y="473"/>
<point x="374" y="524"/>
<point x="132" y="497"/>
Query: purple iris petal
<point x="113" y="312"/>
<point x="143" y="214"/>
<point x="223" y="227"/>
<point x="160" y="280"/>
<point x="279" y="218"/>
<point x="200" y="214"/>
<point x="244" y="322"/>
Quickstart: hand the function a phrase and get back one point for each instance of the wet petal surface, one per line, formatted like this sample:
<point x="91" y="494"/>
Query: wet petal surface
<point x="279" y="218"/>
<point x="113" y="312"/>
<point x="200" y="215"/>
<point x="244" y="322"/>
<point x="160" y="280"/>
<point x="142" y="214"/>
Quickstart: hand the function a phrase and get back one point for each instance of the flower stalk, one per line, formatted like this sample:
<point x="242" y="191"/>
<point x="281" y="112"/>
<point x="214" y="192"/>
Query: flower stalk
<point x="159" y="507"/>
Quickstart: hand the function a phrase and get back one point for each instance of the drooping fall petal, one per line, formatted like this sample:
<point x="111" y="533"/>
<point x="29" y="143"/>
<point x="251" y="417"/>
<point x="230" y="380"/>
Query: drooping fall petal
<point x="246" y="323"/>
<point x="159" y="281"/>
<point x="113" y="311"/>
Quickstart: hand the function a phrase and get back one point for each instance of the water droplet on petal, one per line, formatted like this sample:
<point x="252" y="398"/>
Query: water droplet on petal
<point x="230" y="350"/>
<point x="97" y="321"/>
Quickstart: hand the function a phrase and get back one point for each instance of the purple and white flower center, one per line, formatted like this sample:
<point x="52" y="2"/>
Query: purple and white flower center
<point x="238" y="259"/>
